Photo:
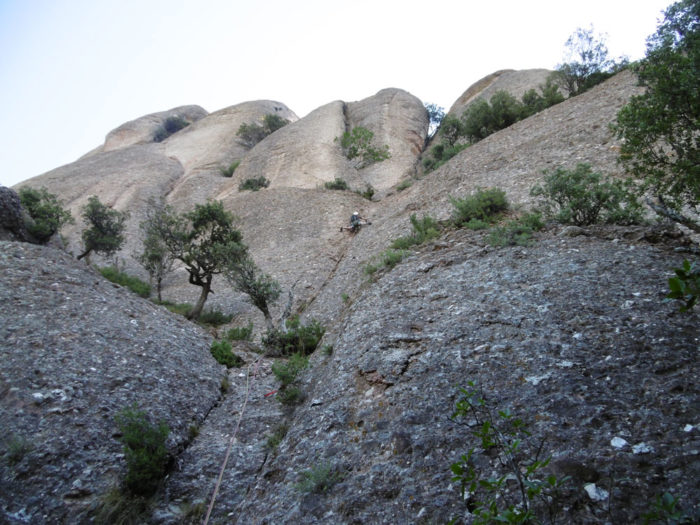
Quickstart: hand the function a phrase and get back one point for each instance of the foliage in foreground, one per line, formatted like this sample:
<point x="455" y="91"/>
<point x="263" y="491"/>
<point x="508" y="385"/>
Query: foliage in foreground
<point x="46" y="213"/>
<point x="516" y="232"/>
<point x="660" y="129"/>
<point x="134" y="284"/>
<point x="287" y="372"/>
<point x="505" y="438"/>
<point x="685" y="286"/>
<point x="144" y="449"/>
<point x="583" y="197"/>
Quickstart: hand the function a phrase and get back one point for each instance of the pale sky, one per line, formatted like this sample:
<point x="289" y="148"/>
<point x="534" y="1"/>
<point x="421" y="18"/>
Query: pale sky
<point x="72" y="70"/>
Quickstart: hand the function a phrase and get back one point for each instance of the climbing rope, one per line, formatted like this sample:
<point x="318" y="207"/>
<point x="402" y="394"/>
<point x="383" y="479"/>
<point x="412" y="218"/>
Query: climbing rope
<point x="232" y="440"/>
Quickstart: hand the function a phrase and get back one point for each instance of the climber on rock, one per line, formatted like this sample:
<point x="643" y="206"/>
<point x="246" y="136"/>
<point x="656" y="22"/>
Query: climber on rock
<point x="355" y="222"/>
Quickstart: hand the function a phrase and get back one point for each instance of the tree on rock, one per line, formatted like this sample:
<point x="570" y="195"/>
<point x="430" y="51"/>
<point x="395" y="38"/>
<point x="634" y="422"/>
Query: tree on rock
<point x="105" y="232"/>
<point x="661" y="128"/>
<point x="261" y="289"/>
<point x="155" y="257"/>
<point x="205" y="240"/>
<point x="45" y="211"/>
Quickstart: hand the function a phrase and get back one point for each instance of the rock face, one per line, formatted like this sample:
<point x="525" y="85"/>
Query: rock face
<point x="571" y="334"/>
<point x="11" y="220"/>
<point x="75" y="351"/>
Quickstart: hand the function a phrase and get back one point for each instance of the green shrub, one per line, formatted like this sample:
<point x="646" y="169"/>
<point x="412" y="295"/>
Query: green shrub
<point x="240" y="333"/>
<point x="582" y="197"/>
<point x="214" y="318"/>
<point x="134" y="284"/>
<point x="485" y="490"/>
<point x="404" y="184"/>
<point x="228" y="172"/>
<point x="666" y="509"/>
<point x="357" y="144"/>
<point x="685" y="286"/>
<point x="291" y="395"/>
<point x="485" y="205"/>
<point x="171" y="126"/>
<point x="319" y="479"/>
<point x="221" y="351"/>
<point x="337" y="184"/>
<point x="276" y="437"/>
<point x="424" y="230"/>
<point x="297" y="339"/>
<point x="387" y="259"/>
<point x="254" y="184"/>
<point x="288" y="371"/>
<point x="250" y="134"/>
<point x="46" y="213"/>
<point x="117" y="507"/>
<point x="17" y="448"/>
<point x="440" y="154"/>
<point x="144" y="449"/>
<point x="517" y="232"/>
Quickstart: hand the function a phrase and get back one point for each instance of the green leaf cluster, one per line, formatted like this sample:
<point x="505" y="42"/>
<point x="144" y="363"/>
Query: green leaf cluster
<point x="46" y="213"/>
<point x="423" y="230"/>
<point x="583" y="197"/>
<point x="297" y="338"/>
<point x="502" y="436"/>
<point x="357" y="144"/>
<point x="144" y="449"/>
<point x="660" y="129"/>
<point x="134" y="284"/>
<point x="250" y="134"/>
<point x="254" y="184"/>
<point x="223" y="353"/>
<point x="685" y="286"/>
<point x="105" y="232"/>
<point x="484" y="206"/>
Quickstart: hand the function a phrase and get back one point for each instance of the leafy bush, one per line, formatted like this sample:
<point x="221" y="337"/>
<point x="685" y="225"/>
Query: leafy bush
<point x="659" y="128"/>
<point x="583" y="197"/>
<point x="485" y="205"/>
<point x="171" y="126"/>
<point x="517" y="232"/>
<point x="506" y="438"/>
<point x="685" y="286"/>
<point x="221" y="351"/>
<point x="144" y="449"/>
<point x="105" y="232"/>
<point x="240" y="333"/>
<point x="228" y="172"/>
<point x="287" y="372"/>
<point x="357" y="144"/>
<point x="134" y="284"/>
<point x="336" y="184"/>
<point x="254" y="184"/>
<point x="387" y="259"/>
<point x="176" y="308"/>
<point x="214" y="318"/>
<point x="666" y="509"/>
<point x="424" y="229"/>
<point x="297" y="338"/>
<point x="46" y="212"/>
<point x="319" y="479"/>
<point x="250" y="134"/>
<point x="440" y="154"/>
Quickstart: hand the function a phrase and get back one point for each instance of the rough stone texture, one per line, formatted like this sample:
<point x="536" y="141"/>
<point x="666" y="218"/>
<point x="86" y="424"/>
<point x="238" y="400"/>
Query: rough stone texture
<point x="11" y="219"/>
<point x="142" y="130"/>
<point x="75" y="350"/>
<point x="534" y="326"/>
<point x="571" y="334"/>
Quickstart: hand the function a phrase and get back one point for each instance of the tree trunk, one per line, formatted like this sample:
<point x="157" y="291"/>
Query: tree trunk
<point x="158" y="286"/>
<point x="268" y="320"/>
<point x="86" y="254"/>
<point x="197" y="310"/>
